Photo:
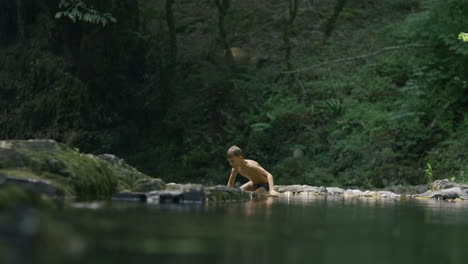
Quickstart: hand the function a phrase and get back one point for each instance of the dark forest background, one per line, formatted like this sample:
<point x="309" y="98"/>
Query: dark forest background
<point x="364" y="93"/>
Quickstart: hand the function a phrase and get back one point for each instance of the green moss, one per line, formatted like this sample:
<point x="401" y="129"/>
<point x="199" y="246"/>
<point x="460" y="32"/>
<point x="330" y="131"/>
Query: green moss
<point x="85" y="176"/>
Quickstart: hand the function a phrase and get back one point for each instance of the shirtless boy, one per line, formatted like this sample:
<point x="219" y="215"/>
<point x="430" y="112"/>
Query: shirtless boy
<point x="260" y="179"/>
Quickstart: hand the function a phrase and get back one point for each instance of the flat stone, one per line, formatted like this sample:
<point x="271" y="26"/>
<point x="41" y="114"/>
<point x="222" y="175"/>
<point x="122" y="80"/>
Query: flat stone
<point x="298" y="188"/>
<point x="388" y="194"/>
<point x="368" y="193"/>
<point x="353" y="192"/>
<point x="335" y="190"/>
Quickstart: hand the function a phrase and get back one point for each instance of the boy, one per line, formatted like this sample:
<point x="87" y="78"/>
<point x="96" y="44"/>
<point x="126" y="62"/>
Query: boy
<point x="260" y="179"/>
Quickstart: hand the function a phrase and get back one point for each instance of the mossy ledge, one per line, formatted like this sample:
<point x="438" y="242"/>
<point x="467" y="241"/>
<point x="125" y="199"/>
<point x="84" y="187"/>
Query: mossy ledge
<point x="72" y="174"/>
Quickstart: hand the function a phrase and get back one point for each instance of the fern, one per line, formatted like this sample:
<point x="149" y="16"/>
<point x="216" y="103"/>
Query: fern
<point x="77" y="10"/>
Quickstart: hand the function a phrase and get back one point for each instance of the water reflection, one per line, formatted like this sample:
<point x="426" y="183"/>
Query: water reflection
<point x="321" y="229"/>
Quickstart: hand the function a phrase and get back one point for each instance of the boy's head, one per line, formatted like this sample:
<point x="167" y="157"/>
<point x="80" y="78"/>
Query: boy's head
<point x="235" y="156"/>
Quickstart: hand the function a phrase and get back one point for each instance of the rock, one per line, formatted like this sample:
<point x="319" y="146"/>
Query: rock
<point x="50" y="166"/>
<point x="149" y="184"/>
<point x="411" y="190"/>
<point x="111" y="159"/>
<point x="368" y="193"/>
<point x="223" y="193"/>
<point x="32" y="185"/>
<point x="298" y="188"/>
<point x="166" y="196"/>
<point x="181" y="193"/>
<point x="452" y="193"/>
<point x="322" y="190"/>
<point x="445" y="184"/>
<point x="353" y="192"/>
<point x="388" y="194"/>
<point x="335" y="190"/>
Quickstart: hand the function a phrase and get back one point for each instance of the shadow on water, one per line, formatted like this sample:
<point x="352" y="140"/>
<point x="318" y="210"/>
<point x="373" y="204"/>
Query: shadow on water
<point x="273" y="230"/>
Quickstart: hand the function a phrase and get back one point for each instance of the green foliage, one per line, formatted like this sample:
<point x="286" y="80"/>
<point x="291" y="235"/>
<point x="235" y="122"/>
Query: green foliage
<point x="77" y="10"/>
<point x="370" y="121"/>
<point x="463" y="36"/>
<point x="428" y="173"/>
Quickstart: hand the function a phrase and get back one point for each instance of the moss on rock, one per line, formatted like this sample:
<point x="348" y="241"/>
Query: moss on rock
<point x="82" y="175"/>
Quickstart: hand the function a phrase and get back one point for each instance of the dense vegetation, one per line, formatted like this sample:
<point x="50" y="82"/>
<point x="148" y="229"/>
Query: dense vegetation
<point x="325" y="92"/>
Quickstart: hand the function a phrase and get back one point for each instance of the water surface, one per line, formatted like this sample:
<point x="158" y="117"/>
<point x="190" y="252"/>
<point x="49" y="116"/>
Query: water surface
<point x="275" y="230"/>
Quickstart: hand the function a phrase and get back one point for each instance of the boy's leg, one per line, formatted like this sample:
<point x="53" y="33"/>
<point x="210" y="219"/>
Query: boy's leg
<point x="248" y="187"/>
<point x="261" y="190"/>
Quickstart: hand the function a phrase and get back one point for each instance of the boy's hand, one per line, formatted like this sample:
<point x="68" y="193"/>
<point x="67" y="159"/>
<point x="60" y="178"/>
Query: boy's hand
<point x="273" y="192"/>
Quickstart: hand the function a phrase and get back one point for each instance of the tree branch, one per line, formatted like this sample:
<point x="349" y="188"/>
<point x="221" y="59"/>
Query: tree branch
<point x="363" y="56"/>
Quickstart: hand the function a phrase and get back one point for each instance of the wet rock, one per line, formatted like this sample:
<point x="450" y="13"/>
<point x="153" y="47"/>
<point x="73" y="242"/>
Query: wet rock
<point x="452" y="193"/>
<point x="130" y="197"/>
<point x="180" y="193"/>
<point x="223" y="193"/>
<point x="322" y="190"/>
<point x="298" y="188"/>
<point x="166" y="196"/>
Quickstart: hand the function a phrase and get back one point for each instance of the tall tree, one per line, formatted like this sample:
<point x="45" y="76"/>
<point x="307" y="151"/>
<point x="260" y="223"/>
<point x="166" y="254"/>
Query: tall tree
<point x="293" y="6"/>
<point x="172" y="38"/>
<point x="223" y="7"/>
<point x="330" y="23"/>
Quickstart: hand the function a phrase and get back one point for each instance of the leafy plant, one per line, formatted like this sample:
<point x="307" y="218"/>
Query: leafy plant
<point x="428" y="173"/>
<point x="77" y="10"/>
<point x="463" y="36"/>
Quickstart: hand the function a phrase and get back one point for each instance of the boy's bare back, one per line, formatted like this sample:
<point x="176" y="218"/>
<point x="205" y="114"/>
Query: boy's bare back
<point x="253" y="171"/>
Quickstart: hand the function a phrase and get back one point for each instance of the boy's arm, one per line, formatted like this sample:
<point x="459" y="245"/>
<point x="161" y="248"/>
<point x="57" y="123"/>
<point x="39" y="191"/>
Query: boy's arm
<point x="271" y="184"/>
<point x="232" y="178"/>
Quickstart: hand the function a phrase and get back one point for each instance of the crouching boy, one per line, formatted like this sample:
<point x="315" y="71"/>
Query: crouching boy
<point x="260" y="180"/>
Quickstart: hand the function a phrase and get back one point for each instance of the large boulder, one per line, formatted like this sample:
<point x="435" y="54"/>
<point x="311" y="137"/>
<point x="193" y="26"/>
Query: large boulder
<point x="149" y="184"/>
<point x="49" y="167"/>
<point x="446" y="184"/>
<point x="446" y="194"/>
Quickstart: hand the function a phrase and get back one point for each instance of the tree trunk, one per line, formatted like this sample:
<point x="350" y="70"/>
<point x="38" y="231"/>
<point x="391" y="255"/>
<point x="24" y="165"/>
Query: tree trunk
<point x="20" y="20"/>
<point x="172" y="39"/>
<point x="223" y="7"/>
<point x="293" y="5"/>
<point x="331" y="22"/>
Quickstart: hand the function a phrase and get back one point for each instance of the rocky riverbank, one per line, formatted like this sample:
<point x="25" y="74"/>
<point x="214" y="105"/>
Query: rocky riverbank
<point x="438" y="190"/>
<point x="36" y="170"/>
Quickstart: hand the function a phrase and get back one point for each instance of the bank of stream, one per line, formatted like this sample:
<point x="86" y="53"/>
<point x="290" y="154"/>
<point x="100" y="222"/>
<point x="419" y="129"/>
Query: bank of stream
<point x="62" y="206"/>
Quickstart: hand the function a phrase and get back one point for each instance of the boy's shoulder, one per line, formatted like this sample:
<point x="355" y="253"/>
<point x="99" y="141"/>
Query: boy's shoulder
<point x="252" y="162"/>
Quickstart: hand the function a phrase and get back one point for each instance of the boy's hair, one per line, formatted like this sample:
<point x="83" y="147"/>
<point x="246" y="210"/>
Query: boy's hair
<point x="235" y="151"/>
